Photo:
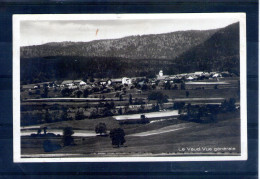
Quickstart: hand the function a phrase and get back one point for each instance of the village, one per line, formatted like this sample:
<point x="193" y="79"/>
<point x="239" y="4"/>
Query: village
<point x="128" y="93"/>
<point x="132" y="104"/>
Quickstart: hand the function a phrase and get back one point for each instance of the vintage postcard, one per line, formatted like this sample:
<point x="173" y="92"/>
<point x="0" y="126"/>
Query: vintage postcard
<point x="129" y="87"/>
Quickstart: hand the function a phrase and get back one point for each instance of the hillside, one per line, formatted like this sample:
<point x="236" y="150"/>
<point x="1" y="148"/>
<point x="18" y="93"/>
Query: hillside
<point x="160" y="46"/>
<point x="176" y="52"/>
<point x="219" y="52"/>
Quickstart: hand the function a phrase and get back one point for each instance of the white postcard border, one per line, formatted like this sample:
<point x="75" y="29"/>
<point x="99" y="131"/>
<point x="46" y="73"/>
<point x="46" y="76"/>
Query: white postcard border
<point x="241" y="17"/>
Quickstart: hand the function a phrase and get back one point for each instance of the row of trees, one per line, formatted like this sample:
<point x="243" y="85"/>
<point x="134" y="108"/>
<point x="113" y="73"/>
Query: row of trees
<point x="48" y="117"/>
<point x="117" y="135"/>
<point x="209" y="112"/>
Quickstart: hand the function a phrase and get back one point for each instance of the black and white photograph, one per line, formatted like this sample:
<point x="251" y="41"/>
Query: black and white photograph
<point x="129" y="87"/>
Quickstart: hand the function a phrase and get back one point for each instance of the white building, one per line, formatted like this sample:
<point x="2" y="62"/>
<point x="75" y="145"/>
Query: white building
<point x="126" y="80"/>
<point x="160" y="76"/>
<point x="82" y="83"/>
<point x="160" y="73"/>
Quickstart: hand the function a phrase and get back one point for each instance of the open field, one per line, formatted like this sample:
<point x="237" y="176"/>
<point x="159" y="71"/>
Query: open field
<point x="170" y="139"/>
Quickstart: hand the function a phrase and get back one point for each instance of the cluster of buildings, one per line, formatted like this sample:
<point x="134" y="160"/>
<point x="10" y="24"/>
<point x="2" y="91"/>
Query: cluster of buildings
<point x="160" y="78"/>
<point x="192" y="76"/>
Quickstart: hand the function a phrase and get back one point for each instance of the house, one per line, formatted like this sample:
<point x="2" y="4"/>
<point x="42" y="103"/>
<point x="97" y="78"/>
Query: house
<point x="126" y="80"/>
<point x="82" y="83"/>
<point x="116" y="80"/>
<point x="73" y="82"/>
<point x="190" y="78"/>
<point x="104" y="81"/>
<point x="216" y="75"/>
<point x="198" y="73"/>
<point x="141" y="83"/>
<point x="77" y="82"/>
<point x="225" y="74"/>
<point x="67" y="83"/>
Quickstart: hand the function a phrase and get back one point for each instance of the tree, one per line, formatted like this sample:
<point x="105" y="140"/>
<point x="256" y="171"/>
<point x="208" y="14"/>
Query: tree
<point x="64" y="114"/>
<point x="112" y="105"/>
<point x="45" y="130"/>
<point x="229" y="105"/>
<point x="67" y="136"/>
<point x="167" y="85"/>
<point x="120" y="111"/>
<point x="182" y="86"/>
<point x="85" y="93"/>
<point x="39" y="131"/>
<point x="144" y="87"/>
<point x="142" y="108"/>
<point x="144" y="119"/>
<point x="79" y="115"/>
<point x="189" y="109"/>
<point x="130" y="99"/>
<point x="45" y="91"/>
<point x="38" y="92"/>
<point x="178" y="105"/>
<point x="187" y="94"/>
<point x="47" y="116"/>
<point x="156" y="107"/>
<point x="106" y="112"/>
<point x="66" y="92"/>
<point x="120" y="97"/>
<point x="55" y="89"/>
<point x="93" y="114"/>
<point x="91" y="79"/>
<point x="79" y="93"/>
<point x="101" y="128"/>
<point x="232" y="104"/>
<point x="117" y="136"/>
<point x="158" y="96"/>
<point x="175" y="87"/>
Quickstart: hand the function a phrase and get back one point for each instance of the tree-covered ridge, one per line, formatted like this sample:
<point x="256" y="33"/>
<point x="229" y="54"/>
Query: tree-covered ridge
<point x="159" y="46"/>
<point x="215" y="52"/>
<point x="219" y="53"/>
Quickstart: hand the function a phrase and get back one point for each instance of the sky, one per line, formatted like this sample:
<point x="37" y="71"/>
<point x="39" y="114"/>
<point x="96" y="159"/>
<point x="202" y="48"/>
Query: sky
<point x="36" y="32"/>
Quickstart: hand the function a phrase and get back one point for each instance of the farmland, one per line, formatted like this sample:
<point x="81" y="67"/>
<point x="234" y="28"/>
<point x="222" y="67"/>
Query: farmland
<point x="172" y="123"/>
<point x="225" y="133"/>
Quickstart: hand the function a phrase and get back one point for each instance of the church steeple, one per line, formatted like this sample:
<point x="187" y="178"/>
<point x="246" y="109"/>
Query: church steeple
<point x="160" y="73"/>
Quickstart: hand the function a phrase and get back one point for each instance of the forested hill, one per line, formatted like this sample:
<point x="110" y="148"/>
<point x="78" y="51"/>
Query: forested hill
<point x="160" y="46"/>
<point x="177" y="52"/>
<point x="219" y="53"/>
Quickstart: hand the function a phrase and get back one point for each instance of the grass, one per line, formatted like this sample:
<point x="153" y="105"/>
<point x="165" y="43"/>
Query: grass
<point x="224" y="133"/>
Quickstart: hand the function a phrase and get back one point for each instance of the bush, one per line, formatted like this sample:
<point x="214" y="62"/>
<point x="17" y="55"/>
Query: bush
<point x="144" y="120"/>
<point x="101" y="128"/>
